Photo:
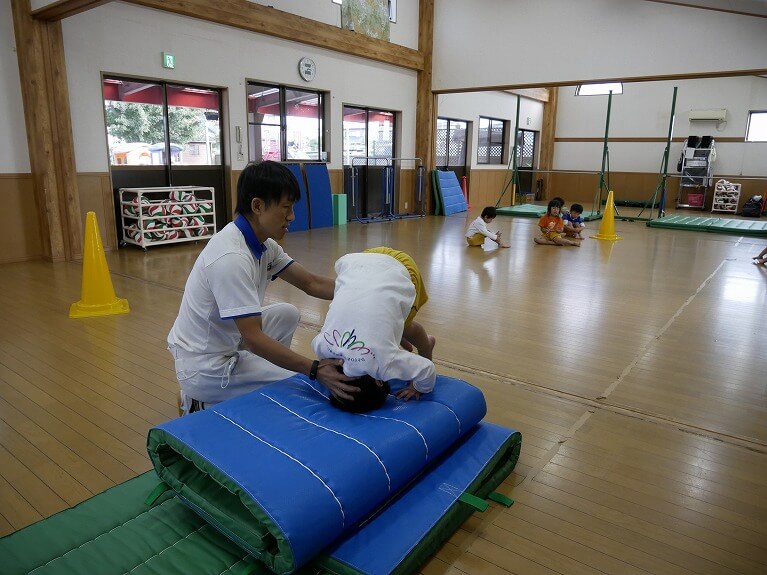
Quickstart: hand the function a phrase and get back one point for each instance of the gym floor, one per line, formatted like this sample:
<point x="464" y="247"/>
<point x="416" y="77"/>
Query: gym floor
<point x="634" y="369"/>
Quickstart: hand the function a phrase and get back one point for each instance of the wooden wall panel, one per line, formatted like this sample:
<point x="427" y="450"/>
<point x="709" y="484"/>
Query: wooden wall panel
<point x="20" y="234"/>
<point x="96" y="196"/>
<point x="336" y="181"/>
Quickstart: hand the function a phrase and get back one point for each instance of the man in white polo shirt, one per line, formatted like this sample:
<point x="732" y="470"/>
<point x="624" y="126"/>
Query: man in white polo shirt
<point x="224" y="341"/>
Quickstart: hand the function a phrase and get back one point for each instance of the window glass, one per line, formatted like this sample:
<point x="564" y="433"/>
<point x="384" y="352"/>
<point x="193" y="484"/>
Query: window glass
<point x="193" y="122"/>
<point x="492" y="140"/>
<point x="284" y="123"/>
<point x="599" y="89"/>
<point x="757" y="127"/>
<point x="135" y="122"/>
<point x="451" y="143"/>
<point x="367" y="133"/>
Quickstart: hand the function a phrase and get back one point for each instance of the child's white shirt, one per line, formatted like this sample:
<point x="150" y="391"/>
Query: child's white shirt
<point x="478" y="226"/>
<point x="373" y="297"/>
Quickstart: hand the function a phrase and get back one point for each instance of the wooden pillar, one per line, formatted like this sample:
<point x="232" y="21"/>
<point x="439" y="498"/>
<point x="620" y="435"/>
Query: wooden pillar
<point x="548" y="134"/>
<point x="40" y="52"/>
<point x="426" y="108"/>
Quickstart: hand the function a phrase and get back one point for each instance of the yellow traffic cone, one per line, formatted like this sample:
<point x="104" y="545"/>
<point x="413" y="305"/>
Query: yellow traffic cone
<point x="98" y="295"/>
<point x="607" y="226"/>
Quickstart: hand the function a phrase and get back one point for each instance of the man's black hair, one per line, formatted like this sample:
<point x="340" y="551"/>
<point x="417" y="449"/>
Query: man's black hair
<point x="576" y="208"/>
<point x="267" y="180"/>
<point x="489" y="212"/>
<point x="370" y="396"/>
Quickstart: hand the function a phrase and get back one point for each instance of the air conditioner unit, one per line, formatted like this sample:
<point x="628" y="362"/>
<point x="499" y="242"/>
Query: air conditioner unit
<point x="714" y="115"/>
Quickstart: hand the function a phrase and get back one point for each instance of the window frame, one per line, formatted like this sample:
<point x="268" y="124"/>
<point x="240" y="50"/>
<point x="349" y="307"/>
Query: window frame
<point x="450" y="121"/>
<point x="751" y="114"/>
<point x="282" y="89"/>
<point x="605" y="93"/>
<point x="488" y="159"/>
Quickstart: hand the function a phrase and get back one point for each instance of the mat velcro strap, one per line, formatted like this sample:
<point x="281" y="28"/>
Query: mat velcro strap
<point x="501" y="498"/>
<point x="474" y="501"/>
<point x="156" y="492"/>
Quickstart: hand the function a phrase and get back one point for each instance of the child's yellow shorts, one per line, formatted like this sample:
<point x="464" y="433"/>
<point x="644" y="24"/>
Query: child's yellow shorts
<point x="476" y="240"/>
<point x="421" y="297"/>
<point x="553" y="235"/>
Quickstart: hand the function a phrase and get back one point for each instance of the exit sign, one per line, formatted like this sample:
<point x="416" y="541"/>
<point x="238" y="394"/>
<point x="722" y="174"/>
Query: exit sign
<point x="168" y="60"/>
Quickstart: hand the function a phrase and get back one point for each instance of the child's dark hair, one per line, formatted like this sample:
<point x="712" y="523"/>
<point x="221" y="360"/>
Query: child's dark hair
<point x="489" y="212"/>
<point x="267" y="180"/>
<point x="370" y="396"/>
<point x="553" y="204"/>
<point x="576" y="208"/>
<point x="560" y="202"/>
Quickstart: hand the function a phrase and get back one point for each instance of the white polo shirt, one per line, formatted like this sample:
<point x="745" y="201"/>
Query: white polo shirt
<point x="372" y="298"/>
<point x="228" y="280"/>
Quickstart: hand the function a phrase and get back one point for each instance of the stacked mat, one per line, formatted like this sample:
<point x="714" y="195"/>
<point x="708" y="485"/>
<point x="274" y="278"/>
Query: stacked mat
<point x="448" y="195"/>
<point x="281" y="479"/>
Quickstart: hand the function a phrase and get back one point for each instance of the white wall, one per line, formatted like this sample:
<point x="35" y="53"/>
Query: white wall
<point x="14" y="155"/>
<point x="643" y="111"/>
<point x="124" y="39"/>
<point x="519" y="42"/>
<point x="498" y="105"/>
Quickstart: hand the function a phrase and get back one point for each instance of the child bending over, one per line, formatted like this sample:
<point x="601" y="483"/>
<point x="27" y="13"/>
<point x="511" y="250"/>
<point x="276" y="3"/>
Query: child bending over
<point x="552" y="228"/>
<point x="573" y="221"/>
<point x="376" y="297"/>
<point x="478" y="231"/>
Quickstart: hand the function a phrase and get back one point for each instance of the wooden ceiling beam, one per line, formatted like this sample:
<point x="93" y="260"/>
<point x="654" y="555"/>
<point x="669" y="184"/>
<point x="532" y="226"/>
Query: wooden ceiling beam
<point x="65" y="8"/>
<point x="269" y="21"/>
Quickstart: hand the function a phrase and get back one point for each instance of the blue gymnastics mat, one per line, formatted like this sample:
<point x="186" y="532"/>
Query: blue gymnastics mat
<point x="119" y="532"/>
<point x="300" y="209"/>
<point x="320" y="201"/>
<point x="450" y="193"/>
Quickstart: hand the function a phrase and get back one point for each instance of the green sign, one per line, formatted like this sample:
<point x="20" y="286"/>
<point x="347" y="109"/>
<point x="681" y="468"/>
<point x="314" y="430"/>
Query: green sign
<point x="168" y="60"/>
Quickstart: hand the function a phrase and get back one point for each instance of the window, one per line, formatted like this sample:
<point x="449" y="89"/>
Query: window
<point x="492" y="140"/>
<point x="367" y="132"/>
<point x="451" y="143"/>
<point x="757" y="127"/>
<point x="599" y="89"/>
<point x="285" y="123"/>
<point x="139" y="113"/>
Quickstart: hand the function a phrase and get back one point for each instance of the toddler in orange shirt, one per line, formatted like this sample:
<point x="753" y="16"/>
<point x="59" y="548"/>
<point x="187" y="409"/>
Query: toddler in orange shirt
<point x="552" y="228"/>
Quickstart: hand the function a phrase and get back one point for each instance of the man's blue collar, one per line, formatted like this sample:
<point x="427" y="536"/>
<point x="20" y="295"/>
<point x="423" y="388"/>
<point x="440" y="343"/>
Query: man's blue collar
<point x="256" y="247"/>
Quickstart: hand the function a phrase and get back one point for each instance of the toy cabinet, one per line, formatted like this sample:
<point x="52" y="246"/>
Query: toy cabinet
<point x="726" y="197"/>
<point x="156" y="216"/>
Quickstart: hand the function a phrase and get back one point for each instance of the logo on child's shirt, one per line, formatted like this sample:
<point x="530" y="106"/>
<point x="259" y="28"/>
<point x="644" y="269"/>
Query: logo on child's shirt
<point x="347" y="340"/>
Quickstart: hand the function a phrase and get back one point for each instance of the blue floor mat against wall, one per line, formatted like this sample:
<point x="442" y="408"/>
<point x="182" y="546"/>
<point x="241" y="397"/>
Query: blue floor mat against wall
<point x="300" y="208"/>
<point x="320" y="201"/>
<point x="298" y="485"/>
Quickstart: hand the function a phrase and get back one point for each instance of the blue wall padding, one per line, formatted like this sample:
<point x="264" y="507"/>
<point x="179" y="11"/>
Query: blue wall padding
<point x="451" y="193"/>
<point x="320" y="202"/>
<point x="409" y="518"/>
<point x="301" y="223"/>
<point x="286" y="451"/>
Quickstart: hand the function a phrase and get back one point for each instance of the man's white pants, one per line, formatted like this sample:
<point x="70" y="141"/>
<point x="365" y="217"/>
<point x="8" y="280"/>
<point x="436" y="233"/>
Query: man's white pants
<point x="212" y="378"/>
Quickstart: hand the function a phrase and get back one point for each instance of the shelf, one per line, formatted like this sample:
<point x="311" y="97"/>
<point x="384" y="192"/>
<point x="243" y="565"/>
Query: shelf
<point x="726" y="197"/>
<point x="158" y="216"/>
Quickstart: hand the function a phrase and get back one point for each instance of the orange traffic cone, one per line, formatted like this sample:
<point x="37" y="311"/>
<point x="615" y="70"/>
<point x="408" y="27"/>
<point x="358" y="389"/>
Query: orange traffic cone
<point x="98" y="295"/>
<point x="607" y="226"/>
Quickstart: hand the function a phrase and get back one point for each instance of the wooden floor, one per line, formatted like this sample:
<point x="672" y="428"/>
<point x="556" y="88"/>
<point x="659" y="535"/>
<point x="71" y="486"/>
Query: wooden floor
<point x="636" y="371"/>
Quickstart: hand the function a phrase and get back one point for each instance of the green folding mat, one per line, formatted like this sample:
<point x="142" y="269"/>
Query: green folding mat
<point x="756" y="227"/>
<point x="120" y="532"/>
<point x="438" y="211"/>
<point x="534" y="211"/>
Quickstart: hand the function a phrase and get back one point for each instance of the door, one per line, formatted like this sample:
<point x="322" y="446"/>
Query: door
<point x="161" y="135"/>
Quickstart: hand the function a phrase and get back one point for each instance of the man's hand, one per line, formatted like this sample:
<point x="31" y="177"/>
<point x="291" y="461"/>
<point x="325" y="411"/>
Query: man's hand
<point x="330" y="375"/>
<point x="410" y="392"/>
